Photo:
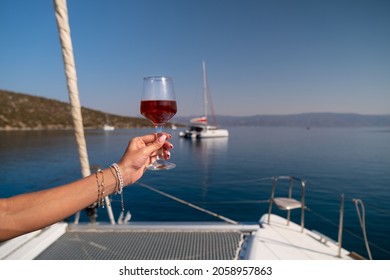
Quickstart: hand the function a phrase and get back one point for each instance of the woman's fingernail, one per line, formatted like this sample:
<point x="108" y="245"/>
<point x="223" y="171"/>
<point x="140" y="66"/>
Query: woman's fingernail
<point x="162" y="138"/>
<point x="171" y="146"/>
<point x="168" y="155"/>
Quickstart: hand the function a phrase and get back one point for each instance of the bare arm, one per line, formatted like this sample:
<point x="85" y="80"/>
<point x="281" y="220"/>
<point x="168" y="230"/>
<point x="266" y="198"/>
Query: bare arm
<point x="28" y="212"/>
<point x="32" y="211"/>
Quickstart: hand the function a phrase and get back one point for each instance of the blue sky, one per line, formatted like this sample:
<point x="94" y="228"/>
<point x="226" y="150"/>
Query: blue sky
<point x="263" y="56"/>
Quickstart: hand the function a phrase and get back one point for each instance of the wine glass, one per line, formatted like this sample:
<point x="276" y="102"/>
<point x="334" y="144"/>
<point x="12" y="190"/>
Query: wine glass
<point x="158" y="104"/>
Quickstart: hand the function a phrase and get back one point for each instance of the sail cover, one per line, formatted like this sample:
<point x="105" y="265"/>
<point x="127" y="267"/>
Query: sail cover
<point x="202" y="120"/>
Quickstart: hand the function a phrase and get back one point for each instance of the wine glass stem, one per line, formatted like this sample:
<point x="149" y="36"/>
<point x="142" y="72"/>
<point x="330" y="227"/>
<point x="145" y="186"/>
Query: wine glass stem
<point x="160" y="152"/>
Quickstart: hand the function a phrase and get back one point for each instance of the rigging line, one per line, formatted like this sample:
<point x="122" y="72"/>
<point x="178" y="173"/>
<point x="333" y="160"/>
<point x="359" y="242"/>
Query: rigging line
<point x="346" y="230"/>
<point x="236" y="202"/>
<point x="333" y="223"/>
<point x="322" y="217"/>
<point x="377" y="209"/>
<point x="210" y="101"/>
<point x="188" y="204"/>
<point x="237" y="182"/>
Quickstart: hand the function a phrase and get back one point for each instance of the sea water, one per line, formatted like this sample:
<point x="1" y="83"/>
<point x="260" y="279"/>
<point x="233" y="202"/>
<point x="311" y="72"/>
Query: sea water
<point x="228" y="176"/>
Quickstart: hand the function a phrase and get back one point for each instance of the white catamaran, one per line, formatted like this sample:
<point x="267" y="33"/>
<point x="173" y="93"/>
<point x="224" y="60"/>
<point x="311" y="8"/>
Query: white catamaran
<point x="272" y="237"/>
<point x="199" y="127"/>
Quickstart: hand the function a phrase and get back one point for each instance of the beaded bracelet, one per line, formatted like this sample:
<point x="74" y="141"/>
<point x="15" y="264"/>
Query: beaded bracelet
<point x="119" y="183"/>
<point x="100" y="199"/>
<point x="113" y="172"/>
<point x="120" y="178"/>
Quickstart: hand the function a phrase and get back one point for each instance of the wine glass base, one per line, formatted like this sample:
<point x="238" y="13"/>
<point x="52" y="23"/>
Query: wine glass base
<point x="161" y="166"/>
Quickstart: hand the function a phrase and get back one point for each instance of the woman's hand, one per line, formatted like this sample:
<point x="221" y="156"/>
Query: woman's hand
<point x="141" y="152"/>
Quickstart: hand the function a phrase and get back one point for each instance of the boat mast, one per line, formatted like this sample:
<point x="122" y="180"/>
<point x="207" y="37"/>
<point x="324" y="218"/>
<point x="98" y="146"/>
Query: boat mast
<point x="205" y="91"/>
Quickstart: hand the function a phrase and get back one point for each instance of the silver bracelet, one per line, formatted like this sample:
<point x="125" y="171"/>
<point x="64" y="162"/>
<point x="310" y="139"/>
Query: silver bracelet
<point x="120" y="178"/>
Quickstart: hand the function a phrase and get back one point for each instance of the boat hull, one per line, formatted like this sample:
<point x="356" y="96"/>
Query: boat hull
<point x="108" y="128"/>
<point x="214" y="133"/>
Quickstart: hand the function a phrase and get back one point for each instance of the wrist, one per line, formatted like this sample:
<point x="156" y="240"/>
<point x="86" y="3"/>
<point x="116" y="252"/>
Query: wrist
<point x="126" y="175"/>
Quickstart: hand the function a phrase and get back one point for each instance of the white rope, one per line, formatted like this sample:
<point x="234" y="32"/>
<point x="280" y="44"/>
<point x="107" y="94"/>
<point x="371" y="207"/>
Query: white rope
<point x="362" y="221"/>
<point x="61" y="12"/>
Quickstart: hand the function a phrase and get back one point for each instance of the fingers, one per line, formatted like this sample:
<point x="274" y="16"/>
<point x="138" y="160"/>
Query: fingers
<point x="156" y="144"/>
<point x="167" y="146"/>
<point x="149" y="138"/>
<point x="167" y="154"/>
<point x="149" y="145"/>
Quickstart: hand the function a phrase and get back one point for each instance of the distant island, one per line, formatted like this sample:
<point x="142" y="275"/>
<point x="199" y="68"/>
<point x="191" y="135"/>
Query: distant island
<point x="307" y="120"/>
<point x="19" y="111"/>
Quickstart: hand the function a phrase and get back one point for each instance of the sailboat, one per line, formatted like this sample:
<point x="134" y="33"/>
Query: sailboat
<point x="107" y="126"/>
<point x="199" y="127"/>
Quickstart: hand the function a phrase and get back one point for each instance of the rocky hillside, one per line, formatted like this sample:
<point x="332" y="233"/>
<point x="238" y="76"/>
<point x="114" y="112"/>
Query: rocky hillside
<point x="22" y="111"/>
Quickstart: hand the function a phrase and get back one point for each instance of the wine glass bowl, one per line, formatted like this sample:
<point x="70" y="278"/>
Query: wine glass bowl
<point x="158" y="104"/>
<point x="158" y="111"/>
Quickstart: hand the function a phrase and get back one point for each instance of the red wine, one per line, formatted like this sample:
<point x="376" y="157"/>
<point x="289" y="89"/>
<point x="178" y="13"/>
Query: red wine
<point x="158" y="111"/>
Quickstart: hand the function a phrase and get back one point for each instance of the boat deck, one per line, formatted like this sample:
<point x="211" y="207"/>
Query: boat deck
<point x="173" y="241"/>
<point x="277" y="241"/>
